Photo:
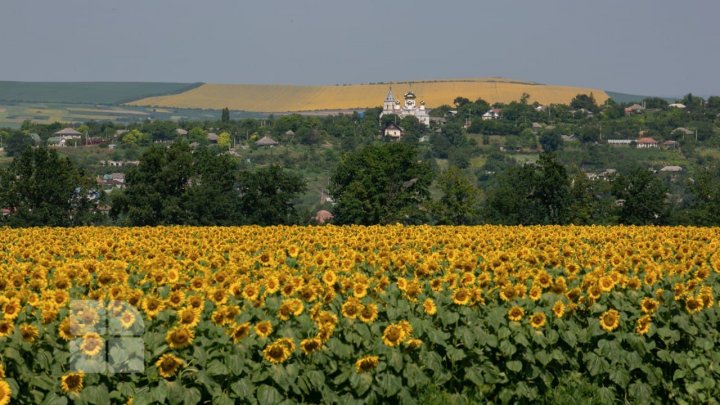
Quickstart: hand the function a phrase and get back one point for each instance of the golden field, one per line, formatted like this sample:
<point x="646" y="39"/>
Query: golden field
<point x="282" y="98"/>
<point x="361" y="314"/>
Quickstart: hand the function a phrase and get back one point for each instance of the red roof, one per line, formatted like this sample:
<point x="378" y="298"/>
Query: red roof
<point x="646" y="140"/>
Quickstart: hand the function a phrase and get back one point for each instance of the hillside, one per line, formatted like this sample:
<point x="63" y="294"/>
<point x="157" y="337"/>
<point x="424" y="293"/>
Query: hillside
<point x="286" y="98"/>
<point x="108" y="93"/>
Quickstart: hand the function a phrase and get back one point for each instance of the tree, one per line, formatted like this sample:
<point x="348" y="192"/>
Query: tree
<point x="224" y="140"/>
<point x="267" y="196"/>
<point x="551" y="141"/>
<point x="136" y="138"/>
<point x="39" y="188"/>
<point x="642" y="198"/>
<point x="225" y="116"/>
<point x="16" y="143"/>
<point x="460" y="200"/>
<point x="381" y="184"/>
<point x="584" y="101"/>
<point x="531" y="194"/>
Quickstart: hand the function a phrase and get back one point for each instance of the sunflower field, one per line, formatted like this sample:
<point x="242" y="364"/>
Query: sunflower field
<point x="359" y="315"/>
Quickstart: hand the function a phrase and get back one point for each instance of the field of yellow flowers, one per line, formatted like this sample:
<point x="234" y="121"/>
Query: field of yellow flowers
<point x="359" y="314"/>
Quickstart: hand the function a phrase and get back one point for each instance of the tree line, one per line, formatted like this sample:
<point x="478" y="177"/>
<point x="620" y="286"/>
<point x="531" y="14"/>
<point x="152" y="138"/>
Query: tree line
<point x="382" y="183"/>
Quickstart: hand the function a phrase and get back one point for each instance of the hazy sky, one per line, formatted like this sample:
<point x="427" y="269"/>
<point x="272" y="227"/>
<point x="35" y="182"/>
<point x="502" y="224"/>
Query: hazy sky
<point x="650" y="47"/>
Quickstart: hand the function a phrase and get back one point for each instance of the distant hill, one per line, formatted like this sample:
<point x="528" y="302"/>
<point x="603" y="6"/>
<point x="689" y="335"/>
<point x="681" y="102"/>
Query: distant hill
<point x="109" y="93"/>
<point x="287" y="98"/>
<point x="632" y="98"/>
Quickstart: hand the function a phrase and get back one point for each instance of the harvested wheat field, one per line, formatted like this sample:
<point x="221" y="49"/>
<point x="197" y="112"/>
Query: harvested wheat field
<point x="286" y="98"/>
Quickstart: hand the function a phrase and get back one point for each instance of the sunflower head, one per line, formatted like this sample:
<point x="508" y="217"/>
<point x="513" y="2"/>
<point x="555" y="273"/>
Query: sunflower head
<point x="240" y="331"/>
<point x="537" y="320"/>
<point x="610" y="320"/>
<point x="263" y="329"/>
<point x="367" y="363"/>
<point x="72" y="383"/>
<point x="393" y="335"/>
<point x="29" y="333"/>
<point x="168" y="365"/>
<point x="429" y="306"/>
<point x="310" y="345"/>
<point x="643" y="324"/>
<point x="92" y="344"/>
<point x="179" y="337"/>
<point x="369" y="313"/>
<point x="276" y="352"/>
<point x="516" y="313"/>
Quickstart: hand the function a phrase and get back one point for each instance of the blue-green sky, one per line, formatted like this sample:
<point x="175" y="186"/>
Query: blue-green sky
<point x="656" y="47"/>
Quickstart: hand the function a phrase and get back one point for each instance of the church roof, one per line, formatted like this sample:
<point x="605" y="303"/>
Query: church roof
<point x="390" y="96"/>
<point x="410" y="95"/>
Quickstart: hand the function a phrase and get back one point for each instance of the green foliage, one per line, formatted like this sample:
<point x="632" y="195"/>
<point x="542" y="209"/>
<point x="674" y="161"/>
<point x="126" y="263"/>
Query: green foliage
<point x="87" y="92"/>
<point x="459" y="203"/>
<point x="16" y="143"/>
<point x="381" y="184"/>
<point x="644" y="200"/>
<point x="266" y="196"/>
<point x="531" y="194"/>
<point x="39" y="188"/>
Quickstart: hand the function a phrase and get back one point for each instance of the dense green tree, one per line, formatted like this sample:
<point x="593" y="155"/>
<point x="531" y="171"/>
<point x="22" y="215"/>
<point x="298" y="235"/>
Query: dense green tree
<point x="551" y="141"/>
<point x="642" y="198"/>
<point x="16" y="143"/>
<point x="224" y="140"/>
<point x="225" y="115"/>
<point x="584" y="101"/>
<point x="531" y="194"/>
<point x="40" y="188"/>
<point x="381" y="184"/>
<point x="704" y="190"/>
<point x="459" y="203"/>
<point x="267" y="196"/>
<point x="655" y="103"/>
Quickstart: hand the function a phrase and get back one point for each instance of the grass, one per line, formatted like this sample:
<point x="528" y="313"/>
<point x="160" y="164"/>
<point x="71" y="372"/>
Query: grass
<point x="108" y="93"/>
<point x="284" y="98"/>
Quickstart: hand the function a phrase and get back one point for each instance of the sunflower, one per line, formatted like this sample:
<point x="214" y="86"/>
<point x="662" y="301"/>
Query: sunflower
<point x="276" y="352"/>
<point x="351" y="308"/>
<point x="6" y="328"/>
<point x="516" y="313"/>
<point x="558" y="309"/>
<point x="29" y="333"/>
<point x="69" y="329"/>
<point x="429" y="306"/>
<point x="610" y="320"/>
<point x="537" y="320"/>
<point x="406" y="326"/>
<point x="369" y="314"/>
<point x="240" y="331"/>
<point x="197" y="302"/>
<point x="310" y="345"/>
<point x="152" y="306"/>
<point x="168" y="365"/>
<point x="176" y="298"/>
<point x="263" y="329"/>
<point x="367" y="363"/>
<point x="290" y="307"/>
<point x="649" y="305"/>
<point x="5" y="392"/>
<point x="507" y="292"/>
<point x="127" y="319"/>
<point x="535" y="293"/>
<point x="413" y="343"/>
<point x="72" y="382"/>
<point x="693" y="305"/>
<point x="643" y="324"/>
<point x="393" y="335"/>
<point x="179" y="337"/>
<point x="92" y="344"/>
<point x="461" y="296"/>
<point x="2" y="371"/>
<point x="12" y="309"/>
<point x="188" y="316"/>
<point x="606" y="284"/>
<point x="329" y="278"/>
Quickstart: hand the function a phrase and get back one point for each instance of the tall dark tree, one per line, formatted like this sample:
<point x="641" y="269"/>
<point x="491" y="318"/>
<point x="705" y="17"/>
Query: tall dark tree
<point x="381" y="184"/>
<point x="531" y="194"/>
<point x="584" y="101"/>
<point x="267" y="196"/>
<point x="16" y="143"/>
<point x="40" y="188"/>
<point x="642" y="198"/>
<point x="225" y="116"/>
<point x="459" y="203"/>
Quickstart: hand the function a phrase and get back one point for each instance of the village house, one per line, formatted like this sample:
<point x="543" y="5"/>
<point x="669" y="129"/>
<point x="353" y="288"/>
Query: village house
<point x="492" y="114"/>
<point x="266" y="141"/>
<point x="634" y="109"/>
<point x="619" y="142"/>
<point x="646" y="143"/>
<point x="393" y="131"/>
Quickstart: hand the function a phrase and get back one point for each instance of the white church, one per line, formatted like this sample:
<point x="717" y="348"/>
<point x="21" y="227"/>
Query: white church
<point x="408" y="108"/>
